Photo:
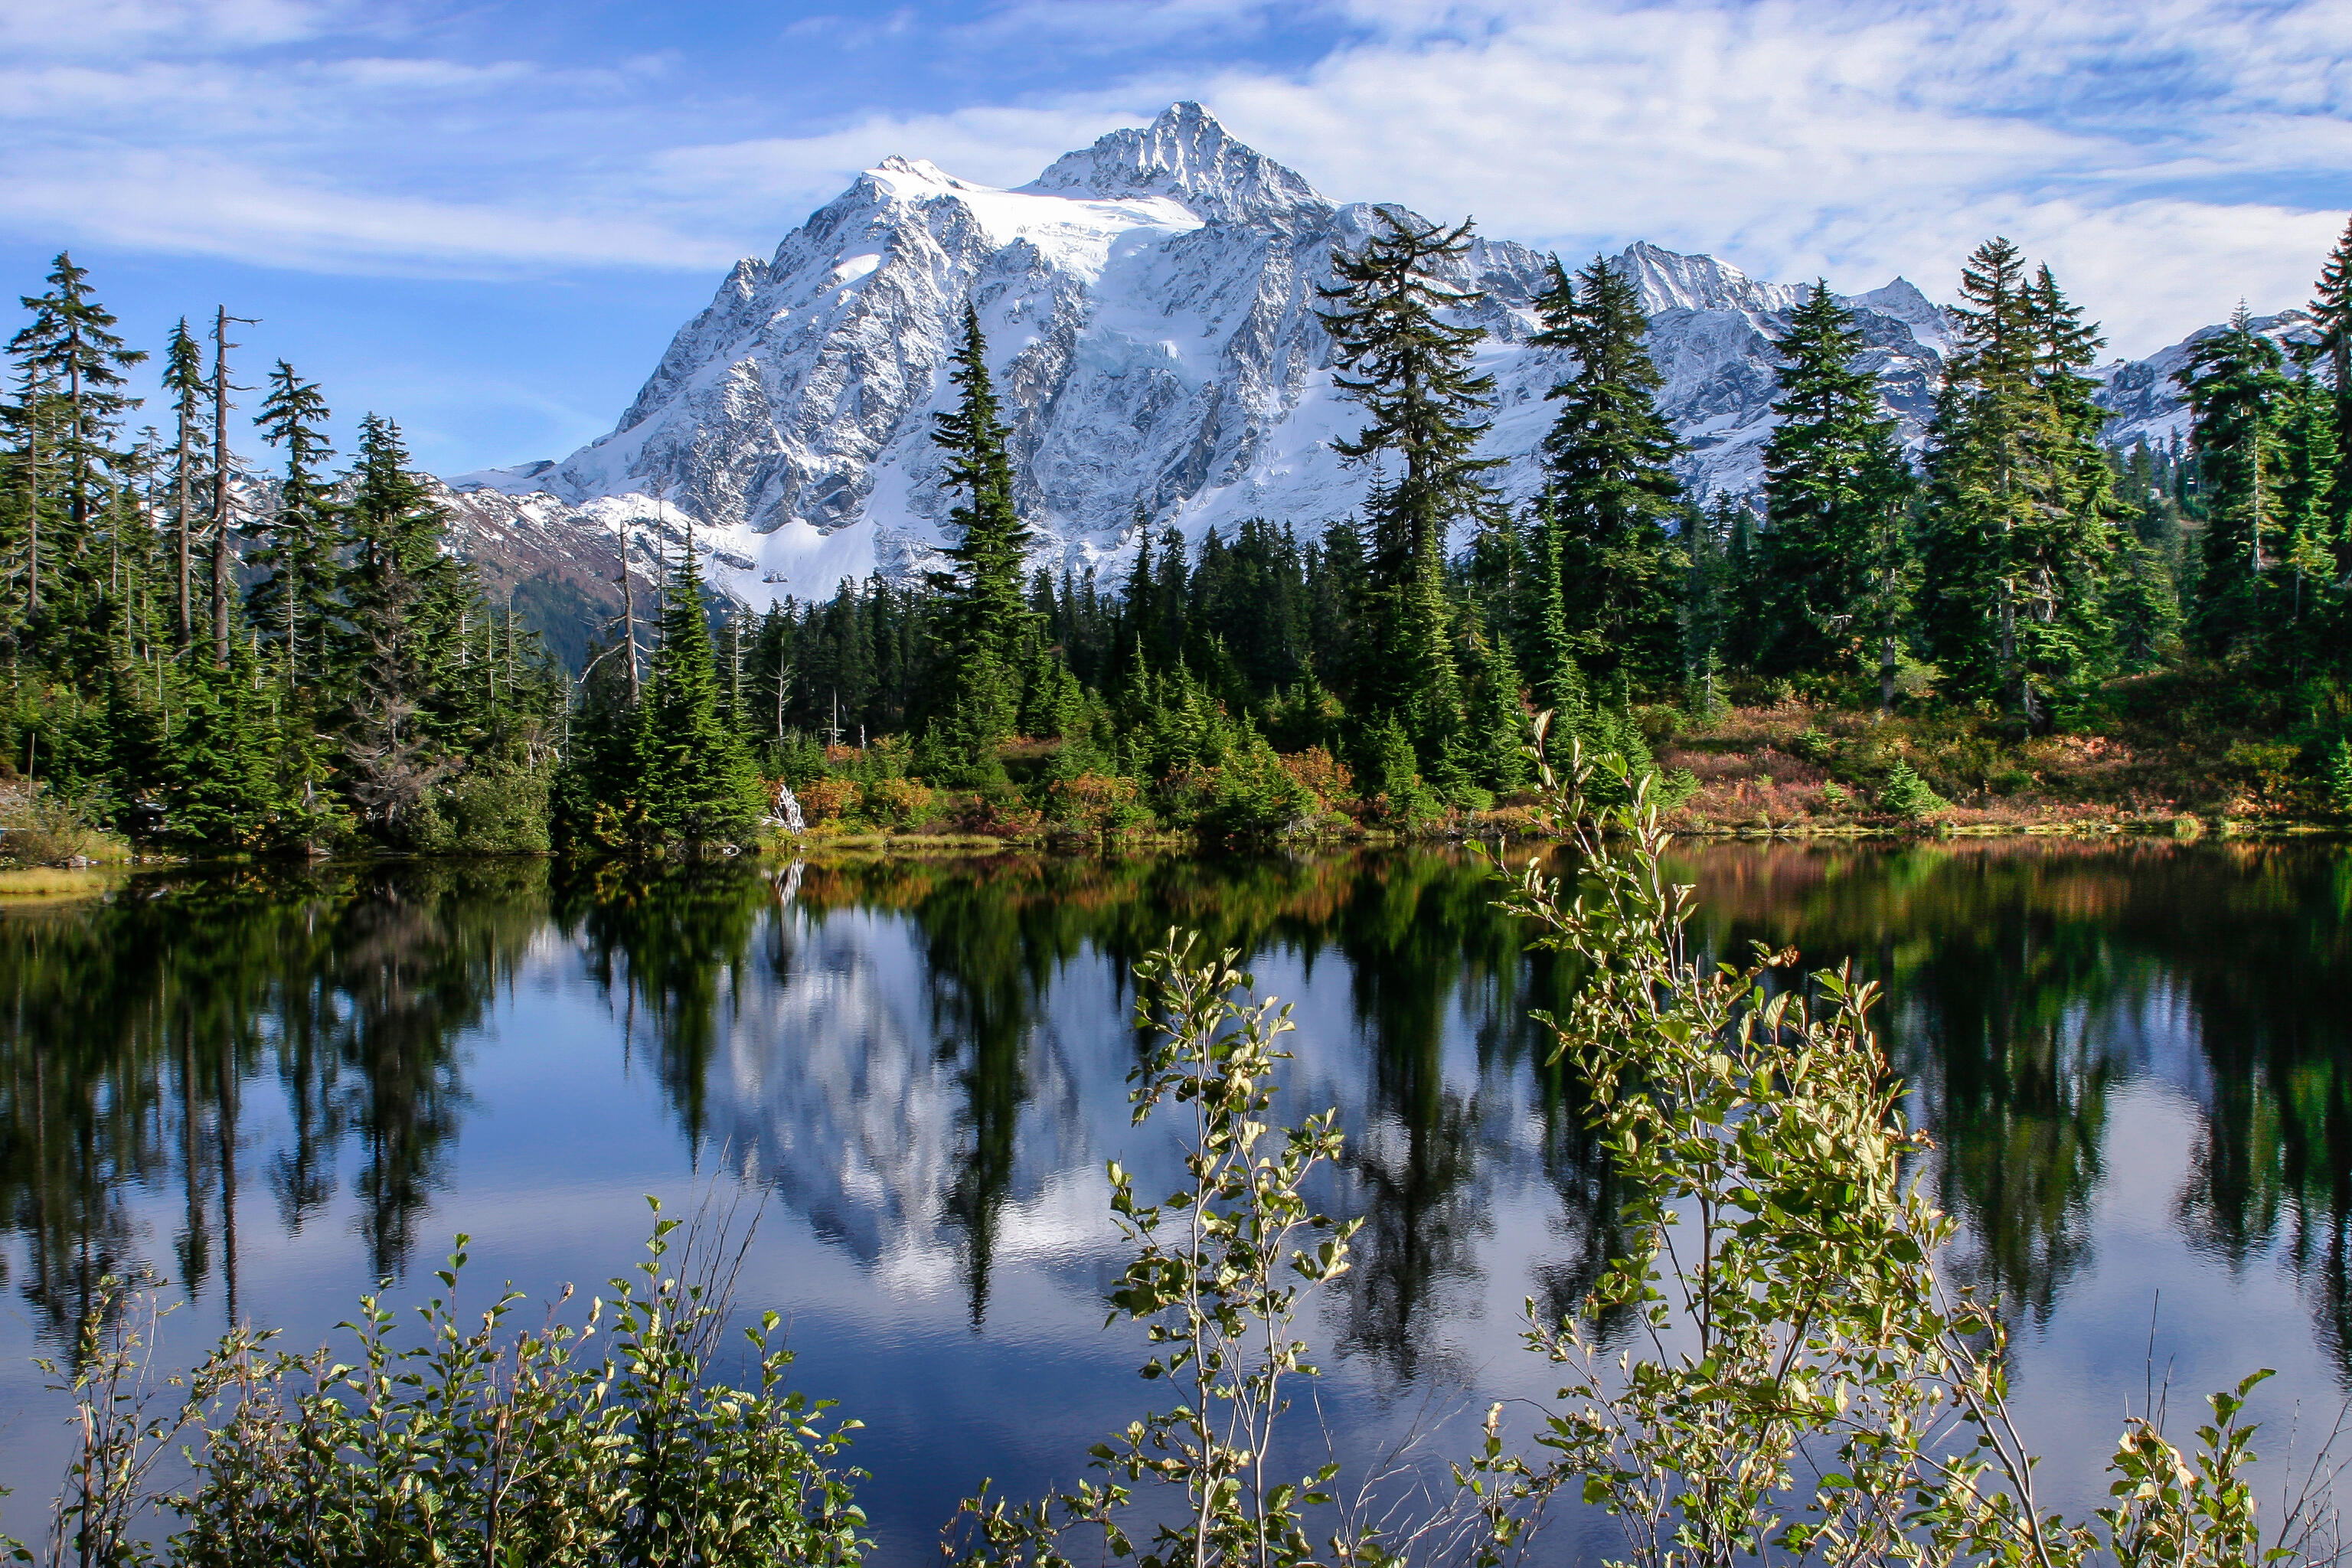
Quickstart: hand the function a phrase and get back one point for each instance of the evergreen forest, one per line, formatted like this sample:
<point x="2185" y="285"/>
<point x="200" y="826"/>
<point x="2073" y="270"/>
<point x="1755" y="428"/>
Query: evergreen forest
<point x="220" y="635"/>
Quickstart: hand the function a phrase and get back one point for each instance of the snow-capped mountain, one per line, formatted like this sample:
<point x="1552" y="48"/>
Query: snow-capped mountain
<point x="1151" y="308"/>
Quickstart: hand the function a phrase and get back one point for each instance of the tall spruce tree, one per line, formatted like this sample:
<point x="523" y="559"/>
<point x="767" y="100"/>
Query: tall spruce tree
<point x="983" y="613"/>
<point x="294" y="604"/>
<point x="404" y="601"/>
<point x="2331" y="311"/>
<point x="1837" y="565"/>
<point x="1414" y="374"/>
<point x="703" y="786"/>
<point x="1611" y="481"/>
<point x="2019" y="533"/>
<point x="72" y="341"/>
<point x="183" y="378"/>
<point x="2237" y="386"/>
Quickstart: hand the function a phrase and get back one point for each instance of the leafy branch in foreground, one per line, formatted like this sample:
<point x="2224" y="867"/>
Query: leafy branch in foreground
<point x="471" y="1444"/>
<point x="1222" y="1268"/>
<point x="1803" y="1385"/>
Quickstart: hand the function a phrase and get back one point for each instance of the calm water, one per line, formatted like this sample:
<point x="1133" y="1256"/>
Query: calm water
<point x="271" y="1090"/>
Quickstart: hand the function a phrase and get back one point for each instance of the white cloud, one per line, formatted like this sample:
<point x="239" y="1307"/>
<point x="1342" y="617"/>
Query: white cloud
<point x="2161" y="153"/>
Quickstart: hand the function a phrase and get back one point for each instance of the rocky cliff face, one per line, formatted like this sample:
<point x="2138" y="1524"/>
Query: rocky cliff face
<point x="1150" y="309"/>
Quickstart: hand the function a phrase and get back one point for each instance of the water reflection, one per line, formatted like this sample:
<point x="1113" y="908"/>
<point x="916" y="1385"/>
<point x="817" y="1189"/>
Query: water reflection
<point x="140" y="1029"/>
<point x="926" y="1062"/>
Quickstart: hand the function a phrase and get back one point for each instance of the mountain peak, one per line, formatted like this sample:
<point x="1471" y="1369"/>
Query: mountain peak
<point x="1186" y="155"/>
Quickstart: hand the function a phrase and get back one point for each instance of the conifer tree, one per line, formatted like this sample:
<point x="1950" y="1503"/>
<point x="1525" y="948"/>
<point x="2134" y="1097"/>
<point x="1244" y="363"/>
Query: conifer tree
<point x="1611" y="482"/>
<point x="1414" y="374"/>
<point x="2237" y="386"/>
<point x="2019" y="534"/>
<point x="33" y="419"/>
<point x="1498" y="731"/>
<point x="702" y="787"/>
<point x="983" y="613"/>
<point x="72" y="341"/>
<point x="183" y="378"/>
<point x="1838" y="569"/>
<point x="2331" y="310"/>
<point x="403" y="601"/>
<point x="294" y="604"/>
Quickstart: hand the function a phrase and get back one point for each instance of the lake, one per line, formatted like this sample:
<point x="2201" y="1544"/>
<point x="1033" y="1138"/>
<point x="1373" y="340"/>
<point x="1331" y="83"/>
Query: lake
<point x="272" y="1088"/>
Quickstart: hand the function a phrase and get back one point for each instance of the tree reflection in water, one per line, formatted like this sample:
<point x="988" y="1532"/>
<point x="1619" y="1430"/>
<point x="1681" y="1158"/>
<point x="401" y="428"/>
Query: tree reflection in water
<point x="924" y="1058"/>
<point x="139" y="1026"/>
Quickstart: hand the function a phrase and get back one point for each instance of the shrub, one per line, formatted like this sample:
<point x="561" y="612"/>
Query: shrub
<point x="1330" y="779"/>
<point x="1096" y="804"/>
<point x="2339" y="777"/>
<point x="1906" y="794"/>
<point x="899" y="801"/>
<point x="590" y="1443"/>
<point x="1256" y="798"/>
<point x="828" y="799"/>
<point x="492" y="808"/>
<point x="1803" y="1385"/>
<point x="51" y="828"/>
<point x="2268" y="768"/>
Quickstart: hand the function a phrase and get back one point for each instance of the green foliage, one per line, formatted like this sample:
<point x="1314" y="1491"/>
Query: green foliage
<point x="601" y="1442"/>
<point x="2339" y="777"/>
<point x="1223" y="1269"/>
<point x="1906" y="794"/>
<point x="701" y="786"/>
<point x="1838" y="563"/>
<point x="2019" y="497"/>
<point x="1414" y="373"/>
<point x="982" y="610"/>
<point x="1801" y="1383"/>
<point x="1612" y="489"/>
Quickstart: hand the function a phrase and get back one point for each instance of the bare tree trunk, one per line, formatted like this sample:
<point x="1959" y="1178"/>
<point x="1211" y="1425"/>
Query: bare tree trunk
<point x="220" y="486"/>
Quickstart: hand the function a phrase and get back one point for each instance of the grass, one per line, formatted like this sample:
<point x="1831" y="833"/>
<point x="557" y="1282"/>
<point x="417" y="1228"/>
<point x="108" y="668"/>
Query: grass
<point x="40" y="883"/>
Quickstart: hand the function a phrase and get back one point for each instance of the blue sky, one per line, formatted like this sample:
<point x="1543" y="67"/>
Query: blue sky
<point x="485" y="218"/>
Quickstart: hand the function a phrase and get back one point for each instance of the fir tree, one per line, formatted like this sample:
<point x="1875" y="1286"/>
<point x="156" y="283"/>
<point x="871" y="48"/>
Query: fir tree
<point x="2331" y="310"/>
<point x="183" y="378"/>
<point x="1611" y="482"/>
<point x="1838" y="569"/>
<point x="982" y="611"/>
<point x="2019" y="498"/>
<point x="402" y="603"/>
<point x="1412" y="372"/>
<point x="295" y="603"/>
<point x="72" y="341"/>
<point x="702" y="786"/>
<point x="2237" y="385"/>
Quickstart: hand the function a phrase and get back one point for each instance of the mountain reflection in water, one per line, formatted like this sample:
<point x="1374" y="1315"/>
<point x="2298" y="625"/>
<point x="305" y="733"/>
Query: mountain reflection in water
<point x="271" y="1089"/>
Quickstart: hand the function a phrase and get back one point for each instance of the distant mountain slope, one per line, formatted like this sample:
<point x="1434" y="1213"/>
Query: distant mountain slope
<point x="1150" y="309"/>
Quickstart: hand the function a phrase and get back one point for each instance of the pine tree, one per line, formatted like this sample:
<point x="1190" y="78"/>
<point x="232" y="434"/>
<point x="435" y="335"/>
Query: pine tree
<point x="1836" y="558"/>
<point x="1412" y="372"/>
<point x="2019" y="535"/>
<point x="983" y="613"/>
<point x="2237" y="386"/>
<point x="71" y="340"/>
<point x="1611" y="482"/>
<point x="294" y="604"/>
